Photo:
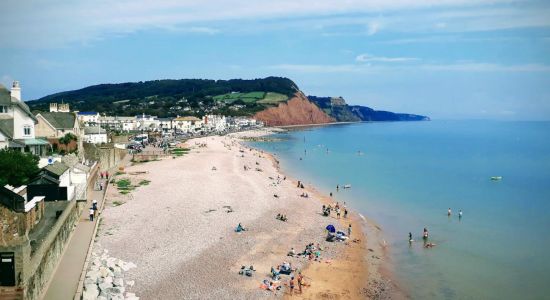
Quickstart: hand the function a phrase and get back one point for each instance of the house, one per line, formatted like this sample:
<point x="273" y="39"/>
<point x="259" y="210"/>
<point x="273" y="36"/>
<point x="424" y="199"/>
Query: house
<point x="118" y="123"/>
<point x="53" y="182"/>
<point x="187" y="124"/>
<point x="147" y="122"/>
<point x="33" y="235"/>
<point x="95" y="135"/>
<point x="88" y="117"/>
<point x="19" y="218"/>
<point x="215" y="123"/>
<point x="56" y="124"/>
<point x="17" y="123"/>
<point x="165" y="124"/>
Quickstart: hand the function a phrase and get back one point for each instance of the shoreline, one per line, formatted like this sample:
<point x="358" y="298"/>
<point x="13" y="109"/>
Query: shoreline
<point x="380" y="280"/>
<point x="176" y="231"/>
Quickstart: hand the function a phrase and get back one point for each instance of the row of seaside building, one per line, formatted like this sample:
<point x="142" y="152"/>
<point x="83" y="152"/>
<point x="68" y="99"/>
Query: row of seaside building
<point x="21" y="129"/>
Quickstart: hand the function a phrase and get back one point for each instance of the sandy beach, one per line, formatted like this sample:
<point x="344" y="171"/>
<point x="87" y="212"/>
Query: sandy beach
<point x="179" y="229"/>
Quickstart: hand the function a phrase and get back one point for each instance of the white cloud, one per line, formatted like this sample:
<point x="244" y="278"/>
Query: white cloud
<point x="368" y="68"/>
<point x="371" y="58"/>
<point x="373" y="27"/>
<point x="52" y="23"/>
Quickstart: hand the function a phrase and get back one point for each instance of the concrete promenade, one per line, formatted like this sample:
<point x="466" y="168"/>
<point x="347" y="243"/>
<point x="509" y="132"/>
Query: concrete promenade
<point x="64" y="282"/>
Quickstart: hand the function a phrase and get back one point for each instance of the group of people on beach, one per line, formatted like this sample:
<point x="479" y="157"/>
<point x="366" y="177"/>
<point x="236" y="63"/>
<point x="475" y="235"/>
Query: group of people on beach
<point x="281" y="217"/>
<point x="327" y="209"/>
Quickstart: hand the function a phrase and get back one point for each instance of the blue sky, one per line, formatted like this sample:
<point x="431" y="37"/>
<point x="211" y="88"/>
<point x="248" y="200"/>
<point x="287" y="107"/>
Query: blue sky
<point x="483" y="59"/>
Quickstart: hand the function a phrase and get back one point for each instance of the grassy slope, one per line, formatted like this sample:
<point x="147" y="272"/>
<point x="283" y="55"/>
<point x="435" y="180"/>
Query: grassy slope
<point x="252" y="97"/>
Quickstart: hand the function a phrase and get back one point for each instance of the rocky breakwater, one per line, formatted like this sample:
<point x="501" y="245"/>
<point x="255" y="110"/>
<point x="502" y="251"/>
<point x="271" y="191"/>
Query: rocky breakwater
<point x="296" y="111"/>
<point x="105" y="279"/>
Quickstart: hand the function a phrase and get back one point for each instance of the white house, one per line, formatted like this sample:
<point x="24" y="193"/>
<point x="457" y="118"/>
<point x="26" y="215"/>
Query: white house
<point x="165" y="124"/>
<point x="187" y="124"/>
<point x="147" y="122"/>
<point x="88" y="117"/>
<point x="119" y="123"/>
<point x="216" y="123"/>
<point x="95" y="135"/>
<point x="17" y="123"/>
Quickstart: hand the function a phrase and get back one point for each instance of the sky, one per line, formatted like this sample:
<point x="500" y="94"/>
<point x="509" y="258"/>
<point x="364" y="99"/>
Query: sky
<point x="448" y="59"/>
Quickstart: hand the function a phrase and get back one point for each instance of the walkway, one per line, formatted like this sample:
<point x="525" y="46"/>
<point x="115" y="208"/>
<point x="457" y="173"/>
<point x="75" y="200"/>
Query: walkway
<point x="64" y="282"/>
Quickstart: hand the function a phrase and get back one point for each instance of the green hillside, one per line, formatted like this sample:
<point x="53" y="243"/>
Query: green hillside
<point x="176" y="97"/>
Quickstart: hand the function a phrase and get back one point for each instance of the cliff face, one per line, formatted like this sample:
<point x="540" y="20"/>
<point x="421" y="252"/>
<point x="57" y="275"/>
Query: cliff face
<point x="296" y="111"/>
<point x="337" y="108"/>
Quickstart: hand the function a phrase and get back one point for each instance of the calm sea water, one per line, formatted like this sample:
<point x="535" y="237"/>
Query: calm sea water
<point x="410" y="173"/>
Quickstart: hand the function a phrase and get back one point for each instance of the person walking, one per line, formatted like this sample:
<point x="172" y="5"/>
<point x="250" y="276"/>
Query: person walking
<point x="449" y="212"/>
<point x="91" y="214"/>
<point x="349" y="230"/>
<point x="345" y="213"/>
<point x="94" y="207"/>
<point x="410" y="237"/>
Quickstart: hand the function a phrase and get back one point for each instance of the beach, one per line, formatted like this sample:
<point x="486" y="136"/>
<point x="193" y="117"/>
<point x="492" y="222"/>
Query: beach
<point x="179" y="229"/>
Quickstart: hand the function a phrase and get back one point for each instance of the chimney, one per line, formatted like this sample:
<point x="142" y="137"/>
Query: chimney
<point x="16" y="90"/>
<point x="64" y="107"/>
<point x="53" y="107"/>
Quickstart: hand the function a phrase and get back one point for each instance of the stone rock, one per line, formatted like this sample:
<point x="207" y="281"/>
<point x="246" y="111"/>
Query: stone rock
<point x="114" y="293"/>
<point x="108" y="280"/>
<point x="127" y="266"/>
<point x="89" y="281"/>
<point x="110" y="264"/>
<point x="104" y="272"/>
<point x="120" y="263"/>
<point x="118" y="282"/>
<point x="93" y="275"/>
<point x="96" y="262"/>
<point x="102" y="298"/>
<point x="105" y="286"/>
<point x="90" y="292"/>
<point x="130" y="282"/>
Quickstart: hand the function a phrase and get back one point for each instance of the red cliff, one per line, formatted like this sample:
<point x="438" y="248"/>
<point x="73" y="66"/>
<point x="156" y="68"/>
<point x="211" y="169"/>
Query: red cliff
<point x="296" y="111"/>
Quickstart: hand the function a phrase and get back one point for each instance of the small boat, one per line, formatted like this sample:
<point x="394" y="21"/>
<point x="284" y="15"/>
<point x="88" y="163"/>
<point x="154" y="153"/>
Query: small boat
<point x="347" y="186"/>
<point x="496" y="178"/>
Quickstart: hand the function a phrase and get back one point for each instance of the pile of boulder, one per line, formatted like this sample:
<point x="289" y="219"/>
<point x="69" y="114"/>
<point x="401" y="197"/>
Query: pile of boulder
<point x="105" y="278"/>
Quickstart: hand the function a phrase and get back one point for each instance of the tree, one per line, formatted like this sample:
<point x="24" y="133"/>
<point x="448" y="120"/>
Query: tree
<point x="17" y="167"/>
<point x="66" y="140"/>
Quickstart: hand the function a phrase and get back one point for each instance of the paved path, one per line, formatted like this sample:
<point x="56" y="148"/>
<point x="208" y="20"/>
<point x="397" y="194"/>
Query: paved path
<point x="64" y="282"/>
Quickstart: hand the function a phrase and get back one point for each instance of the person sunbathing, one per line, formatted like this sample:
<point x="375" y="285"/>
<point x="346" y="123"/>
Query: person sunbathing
<point x="291" y="252"/>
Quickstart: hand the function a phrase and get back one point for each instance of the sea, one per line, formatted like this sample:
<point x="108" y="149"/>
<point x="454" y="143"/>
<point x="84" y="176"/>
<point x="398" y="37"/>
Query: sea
<point x="406" y="175"/>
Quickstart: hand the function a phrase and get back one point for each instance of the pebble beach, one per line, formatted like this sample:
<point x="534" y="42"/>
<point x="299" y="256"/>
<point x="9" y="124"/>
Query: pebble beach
<point x="179" y="230"/>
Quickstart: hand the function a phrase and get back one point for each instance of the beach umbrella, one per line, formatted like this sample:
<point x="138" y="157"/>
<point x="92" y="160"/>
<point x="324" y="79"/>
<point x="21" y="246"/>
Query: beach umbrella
<point x="331" y="228"/>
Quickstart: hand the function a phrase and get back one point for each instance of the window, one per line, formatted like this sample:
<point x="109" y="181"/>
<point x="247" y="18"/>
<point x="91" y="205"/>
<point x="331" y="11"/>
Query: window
<point x="3" y="109"/>
<point x="27" y="130"/>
